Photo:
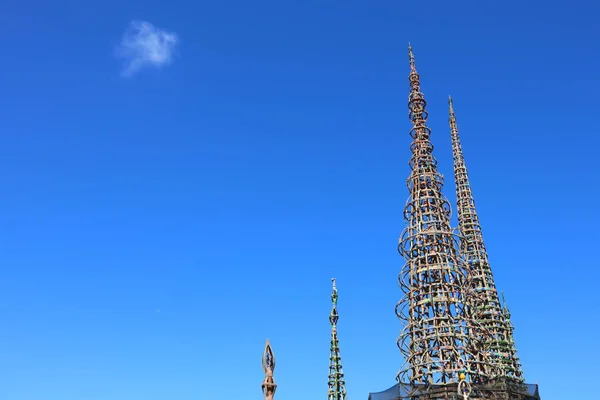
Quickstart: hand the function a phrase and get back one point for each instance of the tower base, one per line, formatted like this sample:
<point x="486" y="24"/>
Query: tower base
<point x="498" y="390"/>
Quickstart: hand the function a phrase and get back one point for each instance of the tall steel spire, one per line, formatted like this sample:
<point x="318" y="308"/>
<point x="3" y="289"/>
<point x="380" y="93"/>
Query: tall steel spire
<point x="337" y="384"/>
<point x="488" y="310"/>
<point x="268" y="363"/>
<point x="438" y="340"/>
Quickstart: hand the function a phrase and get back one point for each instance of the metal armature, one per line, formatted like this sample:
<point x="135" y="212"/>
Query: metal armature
<point x="510" y="329"/>
<point x="337" y="384"/>
<point x="268" y="363"/>
<point x="440" y="340"/>
<point x="487" y="308"/>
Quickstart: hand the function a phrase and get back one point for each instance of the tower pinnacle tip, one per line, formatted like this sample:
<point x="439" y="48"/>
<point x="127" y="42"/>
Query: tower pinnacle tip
<point x="451" y="104"/>
<point x="411" y="58"/>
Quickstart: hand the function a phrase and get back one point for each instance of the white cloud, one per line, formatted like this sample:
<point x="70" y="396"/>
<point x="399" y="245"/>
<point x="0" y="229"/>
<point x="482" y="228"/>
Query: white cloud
<point x="143" y="45"/>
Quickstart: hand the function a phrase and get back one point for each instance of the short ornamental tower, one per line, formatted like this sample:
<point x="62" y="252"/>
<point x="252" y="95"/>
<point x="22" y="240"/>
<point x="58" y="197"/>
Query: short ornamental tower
<point x="337" y="384"/>
<point x="268" y="363"/>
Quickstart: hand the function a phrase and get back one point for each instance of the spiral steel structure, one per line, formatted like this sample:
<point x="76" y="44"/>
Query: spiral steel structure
<point x="487" y="308"/>
<point x="337" y="384"/>
<point x="268" y="363"/>
<point x="440" y="340"/>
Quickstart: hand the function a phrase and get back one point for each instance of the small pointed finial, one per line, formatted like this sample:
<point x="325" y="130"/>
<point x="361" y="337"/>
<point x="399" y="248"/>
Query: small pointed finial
<point x="268" y="358"/>
<point x="451" y="104"/>
<point x="268" y="363"/>
<point x="334" y="293"/>
<point x="411" y="59"/>
<point x="333" y="316"/>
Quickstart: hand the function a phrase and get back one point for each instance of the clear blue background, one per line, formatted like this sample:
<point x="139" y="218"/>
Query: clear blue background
<point x="155" y="231"/>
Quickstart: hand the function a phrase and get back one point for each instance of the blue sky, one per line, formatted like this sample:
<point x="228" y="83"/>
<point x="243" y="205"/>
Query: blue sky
<point x="160" y="221"/>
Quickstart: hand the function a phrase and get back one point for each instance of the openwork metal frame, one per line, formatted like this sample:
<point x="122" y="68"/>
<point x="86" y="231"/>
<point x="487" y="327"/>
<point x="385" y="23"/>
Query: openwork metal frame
<point x="268" y="363"/>
<point x="336" y="384"/>
<point x="441" y="341"/>
<point x="487" y="308"/>
<point x="501" y="389"/>
<point x="512" y="348"/>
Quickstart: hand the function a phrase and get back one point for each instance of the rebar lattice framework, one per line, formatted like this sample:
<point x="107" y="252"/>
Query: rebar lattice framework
<point x="440" y="339"/>
<point x="510" y="329"/>
<point x="268" y="363"/>
<point x="337" y="384"/>
<point x="487" y="307"/>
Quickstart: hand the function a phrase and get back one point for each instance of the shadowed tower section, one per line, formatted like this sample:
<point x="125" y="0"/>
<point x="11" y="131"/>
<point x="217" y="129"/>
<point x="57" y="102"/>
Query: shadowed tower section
<point x="337" y="384"/>
<point x="488" y="310"/>
<point x="510" y="329"/>
<point x="268" y="363"/>
<point x="438" y="340"/>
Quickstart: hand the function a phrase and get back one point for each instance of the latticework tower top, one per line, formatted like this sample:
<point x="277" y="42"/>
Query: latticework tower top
<point x="336" y="384"/>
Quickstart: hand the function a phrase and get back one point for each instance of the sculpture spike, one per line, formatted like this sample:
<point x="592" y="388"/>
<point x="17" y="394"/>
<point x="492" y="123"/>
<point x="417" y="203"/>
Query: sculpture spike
<point x="411" y="59"/>
<point x="268" y="363"/>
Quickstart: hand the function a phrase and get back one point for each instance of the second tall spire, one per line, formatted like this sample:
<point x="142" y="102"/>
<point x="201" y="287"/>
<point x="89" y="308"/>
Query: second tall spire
<point x="489" y="312"/>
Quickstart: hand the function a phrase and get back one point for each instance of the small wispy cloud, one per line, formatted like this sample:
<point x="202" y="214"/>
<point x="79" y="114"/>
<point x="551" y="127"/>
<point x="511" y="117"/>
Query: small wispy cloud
<point x="144" y="45"/>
